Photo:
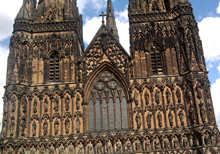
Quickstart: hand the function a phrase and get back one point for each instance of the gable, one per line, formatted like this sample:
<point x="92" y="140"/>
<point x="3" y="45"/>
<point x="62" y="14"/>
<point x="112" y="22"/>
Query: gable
<point x="105" y="48"/>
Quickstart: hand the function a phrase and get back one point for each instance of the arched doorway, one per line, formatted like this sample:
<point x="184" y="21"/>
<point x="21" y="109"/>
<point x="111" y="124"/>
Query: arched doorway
<point x="107" y="103"/>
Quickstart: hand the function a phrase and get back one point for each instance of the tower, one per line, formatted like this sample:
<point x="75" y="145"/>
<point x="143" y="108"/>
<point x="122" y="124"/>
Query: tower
<point x="62" y="99"/>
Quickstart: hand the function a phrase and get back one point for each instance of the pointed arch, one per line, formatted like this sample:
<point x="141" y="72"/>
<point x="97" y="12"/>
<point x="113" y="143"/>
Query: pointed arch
<point x="107" y="100"/>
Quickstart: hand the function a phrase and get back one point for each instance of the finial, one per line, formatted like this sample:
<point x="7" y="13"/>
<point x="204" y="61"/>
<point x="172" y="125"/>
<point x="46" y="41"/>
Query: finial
<point x="103" y="15"/>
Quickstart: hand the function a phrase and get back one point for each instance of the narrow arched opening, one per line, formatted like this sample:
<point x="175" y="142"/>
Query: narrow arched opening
<point x="54" y="67"/>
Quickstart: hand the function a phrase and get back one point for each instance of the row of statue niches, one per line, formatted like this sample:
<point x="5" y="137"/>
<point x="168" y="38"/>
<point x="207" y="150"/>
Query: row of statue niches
<point x="119" y="145"/>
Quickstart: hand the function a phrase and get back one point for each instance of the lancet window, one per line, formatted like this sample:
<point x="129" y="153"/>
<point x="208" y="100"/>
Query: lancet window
<point x="54" y="66"/>
<point x="156" y="59"/>
<point x="108" y="104"/>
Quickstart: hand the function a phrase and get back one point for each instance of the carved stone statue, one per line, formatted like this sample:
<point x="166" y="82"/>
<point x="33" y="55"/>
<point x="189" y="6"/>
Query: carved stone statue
<point x="181" y="117"/>
<point x="127" y="146"/>
<point x="175" y="142"/>
<point x="22" y="150"/>
<point x="35" y="106"/>
<point x="56" y="127"/>
<point x="23" y="126"/>
<point x="118" y="146"/>
<point x="185" y="141"/>
<point x="67" y="103"/>
<point x="80" y="148"/>
<point x="206" y="139"/>
<point x="10" y="150"/>
<point x="192" y="114"/>
<point x="178" y="95"/>
<point x="168" y="96"/>
<point x="109" y="146"/>
<point x="90" y="149"/>
<point x="213" y="138"/>
<point x="13" y="104"/>
<point x="51" y="150"/>
<point x="199" y="91"/>
<point x="138" y="120"/>
<point x="61" y="149"/>
<point x="99" y="147"/>
<point x="159" y="118"/>
<point x="67" y="125"/>
<point x="42" y="150"/>
<point x="33" y="150"/>
<point x="149" y="117"/>
<point x="77" y="102"/>
<point x="137" y="145"/>
<point x="156" y="143"/>
<point x="34" y="128"/>
<point x="147" y="144"/>
<point x="78" y="125"/>
<point x="202" y="112"/>
<point x="45" y="105"/>
<point x="56" y="104"/>
<point x="136" y="98"/>
<point x="71" y="149"/>
<point x="45" y="127"/>
<point x="24" y="105"/>
<point x="211" y="113"/>
<point x="12" y="127"/>
<point x="157" y="97"/>
<point x="147" y="97"/>
<point x="170" y="116"/>
<point x="166" y="143"/>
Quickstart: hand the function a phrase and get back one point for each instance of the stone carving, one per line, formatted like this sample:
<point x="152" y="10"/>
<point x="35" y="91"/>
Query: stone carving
<point x="157" y="97"/>
<point x="61" y="149"/>
<point x="56" y="104"/>
<point x="170" y="116"/>
<point x="10" y="150"/>
<point x="149" y="117"/>
<point x="24" y="105"/>
<point x="118" y="146"/>
<point x="199" y="91"/>
<point x="137" y="144"/>
<point x="202" y="112"/>
<point x="99" y="147"/>
<point x="45" y="127"/>
<point x="51" y="150"/>
<point x="175" y="142"/>
<point x="185" y="141"/>
<point x="147" y="144"/>
<point x="206" y="139"/>
<point x="109" y="146"/>
<point x="67" y="125"/>
<point x="34" y="128"/>
<point x="12" y="126"/>
<point x="23" y="126"/>
<point x="78" y="124"/>
<point x="13" y="104"/>
<point x="166" y="143"/>
<point x="71" y="149"/>
<point x="56" y="127"/>
<point x="191" y="140"/>
<point x="213" y="138"/>
<point x="211" y="113"/>
<point x="138" y="120"/>
<point x="90" y="149"/>
<point x="159" y="119"/>
<point x="77" y="102"/>
<point x="35" y="106"/>
<point x="181" y="117"/>
<point x="67" y="103"/>
<point x="136" y="98"/>
<point x="156" y="143"/>
<point x="42" y="149"/>
<point x="128" y="146"/>
<point x="178" y="95"/>
<point x="147" y="98"/>
<point x="191" y="114"/>
<point x="22" y="150"/>
<point x="168" y="96"/>
<point x="33" y="150"/>
<point x="46" y="105"/>
<point x="80" y="148"/>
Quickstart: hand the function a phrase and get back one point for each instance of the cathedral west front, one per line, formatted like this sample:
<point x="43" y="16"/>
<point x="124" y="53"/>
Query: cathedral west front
<point x="61" y="98"/>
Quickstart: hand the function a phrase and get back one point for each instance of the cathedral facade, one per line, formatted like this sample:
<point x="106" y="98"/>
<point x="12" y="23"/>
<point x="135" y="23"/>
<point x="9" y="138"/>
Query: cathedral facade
<point x="61" y="98"/>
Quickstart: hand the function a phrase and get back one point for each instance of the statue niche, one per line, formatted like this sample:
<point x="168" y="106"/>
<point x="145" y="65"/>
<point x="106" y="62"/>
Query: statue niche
<point x="107" y="103"/>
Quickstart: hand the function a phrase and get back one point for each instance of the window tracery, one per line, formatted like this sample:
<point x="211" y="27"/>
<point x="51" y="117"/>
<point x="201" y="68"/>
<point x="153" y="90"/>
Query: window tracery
<point x="108" y="104"/>
<point x="54" y="67"/>
<point x="156" y="59"/>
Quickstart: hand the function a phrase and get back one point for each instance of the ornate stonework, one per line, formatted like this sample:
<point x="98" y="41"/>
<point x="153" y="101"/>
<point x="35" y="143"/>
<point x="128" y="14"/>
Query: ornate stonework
<point x="60" y="98"/>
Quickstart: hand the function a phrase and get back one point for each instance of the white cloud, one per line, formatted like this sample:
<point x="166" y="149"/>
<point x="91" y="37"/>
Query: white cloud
<point x="216" y="98"/>
<point x="3" y="68"/>
<point x="97" y="5"/>
<point x="218" y="8"/>
<point x="209" y="33"/>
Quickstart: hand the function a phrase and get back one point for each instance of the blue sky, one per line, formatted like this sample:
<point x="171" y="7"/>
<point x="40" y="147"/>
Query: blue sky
<point x="207" y="13"/>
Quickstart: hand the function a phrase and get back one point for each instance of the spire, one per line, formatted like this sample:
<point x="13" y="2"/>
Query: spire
<point x="27" y="10"/>
<point x="110" y="20"/>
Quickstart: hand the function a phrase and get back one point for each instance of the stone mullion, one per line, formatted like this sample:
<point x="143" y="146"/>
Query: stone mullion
<point x="50" y="115"/>
<point x="72" y="116"/>
<point x="7" y="130"/>
<point x="108" y="114"/>
<point x="142" y="111"/>
<point x="29" y="117"/>
<point x="153" y="109"/>
<point x="175" y="109"/>
<point x="41" y="114"/>
<point x="195" y="106"/>
<point x="206" y="104"/>
<point x="164" y="109"/>
<point x="94" y="105"/>
<point x="122" y="121"/>
<point x="62" y="115"/>
<point x="115" y="119"/>
<point x="85" y="114"/>
<point x="101" y="111"/>
<point x="186" y="107"/>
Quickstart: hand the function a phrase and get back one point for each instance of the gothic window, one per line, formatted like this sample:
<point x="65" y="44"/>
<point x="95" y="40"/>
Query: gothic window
<point x="108" y="104"/>
<point x="54" y="67"/>
<point x="156" y="59"/>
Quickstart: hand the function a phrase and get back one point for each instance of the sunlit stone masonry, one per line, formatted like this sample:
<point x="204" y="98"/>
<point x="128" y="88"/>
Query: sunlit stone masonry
<point x="61" y="98"/>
